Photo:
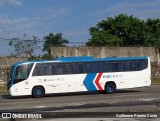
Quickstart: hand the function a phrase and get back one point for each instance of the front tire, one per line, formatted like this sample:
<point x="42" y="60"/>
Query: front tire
<point x="110" y="88"/>
<point x="38" y="92"/>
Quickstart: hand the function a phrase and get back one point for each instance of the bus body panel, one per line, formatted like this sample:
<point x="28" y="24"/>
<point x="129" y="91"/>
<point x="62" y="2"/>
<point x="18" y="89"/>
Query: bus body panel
<point x="21" y="88"/>
<point x="75" y="83"/>
<point x="82" y="82"/>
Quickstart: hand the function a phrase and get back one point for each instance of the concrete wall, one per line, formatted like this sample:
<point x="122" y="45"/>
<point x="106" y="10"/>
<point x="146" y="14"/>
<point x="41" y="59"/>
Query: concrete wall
<point x="101" y="52"/>
<point x="98" y="52"/>
<point x="5" y="64"/>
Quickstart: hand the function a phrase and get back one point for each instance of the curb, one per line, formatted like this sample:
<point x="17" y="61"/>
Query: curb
<point x="155" y="84"/>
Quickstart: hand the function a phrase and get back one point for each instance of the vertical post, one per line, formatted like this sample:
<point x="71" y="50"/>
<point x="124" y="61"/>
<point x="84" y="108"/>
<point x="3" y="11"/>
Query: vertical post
<point x="158" y="55"/>
<point x="158" y="58"/>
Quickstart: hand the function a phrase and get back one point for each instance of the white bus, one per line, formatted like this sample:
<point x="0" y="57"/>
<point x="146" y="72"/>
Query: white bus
<point x="76" y="74"/>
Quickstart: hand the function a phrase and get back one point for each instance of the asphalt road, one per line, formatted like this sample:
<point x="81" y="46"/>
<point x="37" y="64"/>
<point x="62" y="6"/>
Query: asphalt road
<point x="56" y="102"/>
<point x="98" y="106"/>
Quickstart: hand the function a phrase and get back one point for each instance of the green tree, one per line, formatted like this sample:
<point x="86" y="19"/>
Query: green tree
<point x="124" y="30"/>
<point x="153" y="30"/>
<point x="103" y="38"/>
<point x="24" y="47"/>
<point x="52" y="40"/>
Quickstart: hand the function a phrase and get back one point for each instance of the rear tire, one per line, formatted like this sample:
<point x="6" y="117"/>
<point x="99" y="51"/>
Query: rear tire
<point x="110" y="88"/>
<point x="38" y="92"/>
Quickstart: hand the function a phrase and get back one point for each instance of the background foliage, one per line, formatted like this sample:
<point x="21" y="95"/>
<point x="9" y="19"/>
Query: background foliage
<point x="124" y="30"/>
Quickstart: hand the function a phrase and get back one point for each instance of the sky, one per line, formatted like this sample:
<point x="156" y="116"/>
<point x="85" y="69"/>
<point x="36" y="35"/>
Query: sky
<point x="72" y="18"/>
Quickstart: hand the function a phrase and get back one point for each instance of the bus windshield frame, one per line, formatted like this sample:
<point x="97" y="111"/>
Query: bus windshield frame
<point x="19" y="73"/>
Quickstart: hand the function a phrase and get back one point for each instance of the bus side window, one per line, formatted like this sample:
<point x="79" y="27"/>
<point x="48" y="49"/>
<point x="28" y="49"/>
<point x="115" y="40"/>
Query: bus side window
<point x="133" y="66"/>
<point x="127" y="65"/>
<point x="57" y="69"/>
<point x="37" y="70"/>
<point x="144" y="64"/>
<point x="84" y="68"/>
<point x="54" y="66"/>
<point x="94" y="67"/>
<point x="42" y="70"/>
<point x="75" y="68"/>
<point x="47" y="69"/>
<point x="66" y="68"/>
<point x="102" y="67"/>
<point x="109" y="67"/>
<point x="116" y="66"/>
<point x="138" y="65"/>
<point x="62" y="68"/>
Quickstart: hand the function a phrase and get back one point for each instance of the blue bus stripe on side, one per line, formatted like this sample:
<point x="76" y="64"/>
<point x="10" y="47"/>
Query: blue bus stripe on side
<point x="88" y="81"/>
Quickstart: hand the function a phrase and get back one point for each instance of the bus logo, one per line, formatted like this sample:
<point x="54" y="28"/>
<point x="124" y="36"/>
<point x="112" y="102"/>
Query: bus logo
<point x="113" y="76"/>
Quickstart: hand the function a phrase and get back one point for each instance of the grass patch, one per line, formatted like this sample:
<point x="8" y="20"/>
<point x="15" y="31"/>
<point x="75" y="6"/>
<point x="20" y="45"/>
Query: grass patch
<point x="156" y="81"/>
<point x="3" y="89"/>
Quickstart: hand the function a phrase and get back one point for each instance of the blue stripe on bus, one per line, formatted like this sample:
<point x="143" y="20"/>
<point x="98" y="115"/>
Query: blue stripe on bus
<point x="88" y="81"/>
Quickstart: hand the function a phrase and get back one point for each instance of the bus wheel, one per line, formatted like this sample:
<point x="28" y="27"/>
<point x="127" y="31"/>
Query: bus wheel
<point x="38" y="92"/>
<point x="110" y="88"/>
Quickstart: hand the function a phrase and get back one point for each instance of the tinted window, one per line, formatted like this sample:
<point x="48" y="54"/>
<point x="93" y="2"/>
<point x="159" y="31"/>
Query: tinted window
<point x="130" y="66"/>
<point x="106" y="66"/>
<point x="75" y="68"/>
<point x="66" y="69"/>
<point x="22" y="72"/>
<point x="138" y="65"/>
<point x="143" y="64"/>
<point x="109" y="66"/>
<point x="135" y="65"/>
<point x="127" y="66"/>
<point x="88" y="67"/>
<point x="102" y="66"/>
<point x="84" y="67"/>
<point x="42" y="69"/>
<point x="94" y="67"/>
<point x="117" y="66"/>
<point x="61" y="68"/>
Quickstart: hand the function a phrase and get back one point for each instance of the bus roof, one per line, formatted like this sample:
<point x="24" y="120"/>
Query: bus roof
<point x="83" y="59"/>
<point x="90" y="58"/>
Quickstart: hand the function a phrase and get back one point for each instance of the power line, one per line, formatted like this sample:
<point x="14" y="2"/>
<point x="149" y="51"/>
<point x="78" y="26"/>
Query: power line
<point x="41" y="41"/>
<point x="3" y="39"/>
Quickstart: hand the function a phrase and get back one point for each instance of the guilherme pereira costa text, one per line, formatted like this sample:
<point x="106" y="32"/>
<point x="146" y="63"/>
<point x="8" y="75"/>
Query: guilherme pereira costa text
<point x="146" y="115"/>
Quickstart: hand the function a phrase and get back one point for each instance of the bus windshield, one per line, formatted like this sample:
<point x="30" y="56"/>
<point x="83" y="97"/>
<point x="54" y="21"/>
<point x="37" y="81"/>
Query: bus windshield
<point x="22" y="72"/>
<point x="10" y="74"/>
